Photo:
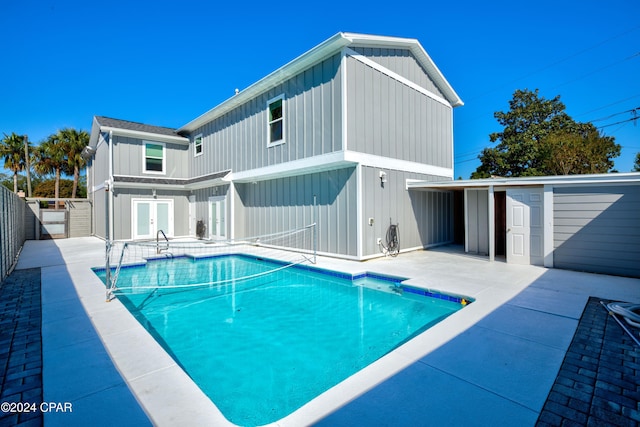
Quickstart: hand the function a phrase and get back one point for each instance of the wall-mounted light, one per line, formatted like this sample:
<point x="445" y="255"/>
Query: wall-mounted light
<point x="153" y="192"/>
<point x="383" y="177"/>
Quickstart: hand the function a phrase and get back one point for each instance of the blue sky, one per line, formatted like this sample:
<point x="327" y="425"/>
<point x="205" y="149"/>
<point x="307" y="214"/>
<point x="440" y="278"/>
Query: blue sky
<point x="166" y="62"/>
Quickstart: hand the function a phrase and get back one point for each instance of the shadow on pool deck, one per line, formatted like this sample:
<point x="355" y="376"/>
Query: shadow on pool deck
<point x="500" y="367"/>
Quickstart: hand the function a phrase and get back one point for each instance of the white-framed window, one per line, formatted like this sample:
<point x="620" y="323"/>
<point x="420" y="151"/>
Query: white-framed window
<point x="275" y="122"/>
<point x="153" y="157"/>
<point x="197" y="145"/>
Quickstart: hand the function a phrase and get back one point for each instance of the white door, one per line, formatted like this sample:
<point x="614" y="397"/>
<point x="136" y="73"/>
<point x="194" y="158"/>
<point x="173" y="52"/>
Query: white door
<point x="150" y="216"/>
<point x="524" y="226"/>
<point x="217" y="218"/>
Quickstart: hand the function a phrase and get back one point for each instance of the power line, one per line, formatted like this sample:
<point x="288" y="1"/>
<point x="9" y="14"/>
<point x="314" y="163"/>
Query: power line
<point x="596" y="71"/>
<point x="617" y="123"/>
<point x="633" y="111"/>
<point x="553" y="64"/>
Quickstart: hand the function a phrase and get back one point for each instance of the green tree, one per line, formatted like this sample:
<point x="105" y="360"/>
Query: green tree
<point x="12" y="149"/>
<point x="47" y="189"/>
<point x="74" y="142"/>
<point x="50" y="158"/>
<point x="636" y="165"/>
<point x="539" y="138"/>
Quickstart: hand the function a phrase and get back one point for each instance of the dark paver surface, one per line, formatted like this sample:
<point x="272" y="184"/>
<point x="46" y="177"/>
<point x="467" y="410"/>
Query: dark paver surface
<point x="599" y="381"/>
<point x="21" y="349"/>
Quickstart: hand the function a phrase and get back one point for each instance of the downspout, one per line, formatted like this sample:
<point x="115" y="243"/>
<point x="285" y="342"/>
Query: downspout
<point x="111" y="186"/>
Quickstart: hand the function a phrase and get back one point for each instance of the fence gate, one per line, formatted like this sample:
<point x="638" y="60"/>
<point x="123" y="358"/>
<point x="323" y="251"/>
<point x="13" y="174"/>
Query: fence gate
<point x="54" y="224"/>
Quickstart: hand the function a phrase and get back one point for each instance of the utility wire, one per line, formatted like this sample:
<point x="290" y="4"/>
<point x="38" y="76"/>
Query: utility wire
<point x="553" y="64"/>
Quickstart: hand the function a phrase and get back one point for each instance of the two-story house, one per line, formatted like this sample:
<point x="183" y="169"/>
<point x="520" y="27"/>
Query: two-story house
<point x="332" y="137"/>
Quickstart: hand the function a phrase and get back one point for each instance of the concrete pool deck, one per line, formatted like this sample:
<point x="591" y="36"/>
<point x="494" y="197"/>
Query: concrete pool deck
<point x="494" y="362"/>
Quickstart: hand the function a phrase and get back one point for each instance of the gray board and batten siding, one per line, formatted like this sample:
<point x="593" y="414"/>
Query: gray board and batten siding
<point x="597" y="229"/>
<point x="237" y="140"/>
<point x="424" y="218"/>
<point x="390" y="119"/>
<point x="128" y="158"/>
<point x="123" y="210"/>
<point x="287" y="203"/>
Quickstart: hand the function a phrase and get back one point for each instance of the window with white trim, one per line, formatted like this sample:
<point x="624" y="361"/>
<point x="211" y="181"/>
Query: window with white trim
<point x="275" y="109"/>
<point x="197" y="145"/>
<point x="153" y="154"/>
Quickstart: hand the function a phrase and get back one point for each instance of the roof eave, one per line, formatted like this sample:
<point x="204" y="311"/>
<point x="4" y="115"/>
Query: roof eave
<point x="319" y="52"/>
<point x="145" y="135"/>
<point x="421" y="55"/>
<point x="288" y="70"/>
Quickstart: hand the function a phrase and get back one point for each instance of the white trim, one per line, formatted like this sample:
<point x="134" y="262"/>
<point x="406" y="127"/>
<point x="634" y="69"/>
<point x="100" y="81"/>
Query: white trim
<point x="359" y="210"/>
<point x="195" y="145"/>
<point x="231" y="193"/>
<point x="397" y="164"/>
<point x="146" y="135"/>
<point x="335" y="160"/>
<point x="466" y="221"/>
<point x="344" y="98"/>
<point x="109" y="188"/>
<point x="283" y="120"/>
<point x="547" y="206"/>
<point x="562" y="180"/>
<point x="328" y="47"/>
<point x="492" y="224"/>
<point x="355" y="55"/>
<point x="144" y="157"/>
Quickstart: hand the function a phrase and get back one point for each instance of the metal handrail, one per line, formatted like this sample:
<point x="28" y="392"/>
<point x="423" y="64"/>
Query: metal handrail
<point x="159" y="250"/>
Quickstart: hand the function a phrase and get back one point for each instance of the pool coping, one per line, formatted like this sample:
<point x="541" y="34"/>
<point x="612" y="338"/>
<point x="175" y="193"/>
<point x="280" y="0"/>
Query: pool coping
<point x="150" y="368"/>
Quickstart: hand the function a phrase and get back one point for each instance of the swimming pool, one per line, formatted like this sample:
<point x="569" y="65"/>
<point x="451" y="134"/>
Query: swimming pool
<point x="262" y="348"/>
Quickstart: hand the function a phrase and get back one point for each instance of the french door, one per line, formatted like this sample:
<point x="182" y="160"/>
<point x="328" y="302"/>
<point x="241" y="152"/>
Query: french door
<point x="217" y="218"/>
<point x="150" y="216"/>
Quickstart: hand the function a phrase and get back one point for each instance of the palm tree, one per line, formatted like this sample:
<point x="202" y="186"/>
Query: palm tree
<point x="12" y="149"/>
<point x="74" y="142"/>
<point x="50" y="157"/>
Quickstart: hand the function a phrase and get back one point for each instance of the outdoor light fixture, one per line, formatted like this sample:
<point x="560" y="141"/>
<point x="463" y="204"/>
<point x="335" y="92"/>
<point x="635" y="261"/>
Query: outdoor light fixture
<point x="87" y="152"/>
<point x="383" y="177"/>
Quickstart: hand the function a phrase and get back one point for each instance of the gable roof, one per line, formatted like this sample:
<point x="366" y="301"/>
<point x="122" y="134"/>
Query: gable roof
<point x="318" y="53"/>
<point x="134" y="129"/>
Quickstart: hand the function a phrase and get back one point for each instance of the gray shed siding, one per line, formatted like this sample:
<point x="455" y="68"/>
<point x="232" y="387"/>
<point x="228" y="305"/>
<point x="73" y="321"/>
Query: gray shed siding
<point x="402" y="62"/>
<point x="313" y="122"/>
<point x="424" y="217"/>
<point x="597" y="229"/>
<point x="287" y="203"/>
<point x="128" y="152"/>
<point x="123" y="210"/>
<point x="412" y="127"/>
<point x="477" y="220"/>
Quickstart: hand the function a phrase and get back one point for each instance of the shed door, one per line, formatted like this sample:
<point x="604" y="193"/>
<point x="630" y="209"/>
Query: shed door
<point x="525" y="231"/>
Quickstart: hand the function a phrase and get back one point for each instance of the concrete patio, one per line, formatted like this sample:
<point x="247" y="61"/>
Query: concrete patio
<point x="492" y="363"/>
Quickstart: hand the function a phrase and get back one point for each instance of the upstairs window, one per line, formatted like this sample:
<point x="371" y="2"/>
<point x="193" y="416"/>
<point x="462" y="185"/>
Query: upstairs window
<point x="276" y="120"/>
<point x="153" y="157"/>
<point x="197" y="145"/>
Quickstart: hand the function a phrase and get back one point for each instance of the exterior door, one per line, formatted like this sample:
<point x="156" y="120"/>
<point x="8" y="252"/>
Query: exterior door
<point x="217" y="218"/>
<point x="525" y="231"/>
<point x="150" y="216"/>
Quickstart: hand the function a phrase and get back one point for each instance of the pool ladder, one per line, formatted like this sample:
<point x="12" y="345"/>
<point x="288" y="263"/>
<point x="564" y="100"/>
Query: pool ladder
<point x="159" y="249"/>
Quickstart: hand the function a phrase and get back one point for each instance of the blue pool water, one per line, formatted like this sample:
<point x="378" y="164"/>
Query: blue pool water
<point x="262" y="348"/>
